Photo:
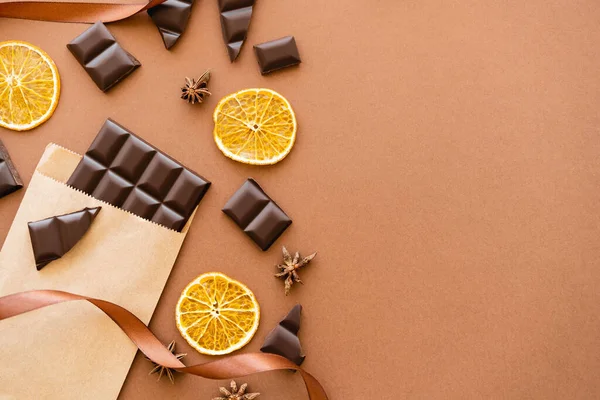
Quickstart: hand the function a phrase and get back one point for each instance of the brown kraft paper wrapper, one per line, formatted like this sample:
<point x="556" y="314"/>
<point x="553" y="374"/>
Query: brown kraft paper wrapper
<point x="73" y="350"/>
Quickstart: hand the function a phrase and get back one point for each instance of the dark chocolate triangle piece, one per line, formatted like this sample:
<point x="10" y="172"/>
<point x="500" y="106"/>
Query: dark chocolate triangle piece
<point x="171" y="19"/>
<point x="233" y="50"/>
<point x="53" y="237"/>
<point x="169" y="38"/>
<point x="283" y="340"/>
<point x="291" y="322"/>
<point x="10" y="181"/>
<point x="235" y="21"/>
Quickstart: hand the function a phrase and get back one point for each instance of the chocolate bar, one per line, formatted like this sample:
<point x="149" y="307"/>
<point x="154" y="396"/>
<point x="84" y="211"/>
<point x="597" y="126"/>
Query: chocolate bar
<point x="102" y="57"/>
<point x="171" y="19"/>
<point x="259" y="216"/>
<point x="122" y="169"/>
<point x="53" y="237"/>
<point x="277" y="54"/>
<point x="235" y="21"/>
<point x="283" y="340"/>
<point x="10" y="181"/>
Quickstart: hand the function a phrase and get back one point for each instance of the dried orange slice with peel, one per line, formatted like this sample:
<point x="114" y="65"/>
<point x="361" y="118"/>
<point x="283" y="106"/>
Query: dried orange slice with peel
<point x="255" y="126"/>
<point x="216" y="314"/>
<point x="29" y="85"/>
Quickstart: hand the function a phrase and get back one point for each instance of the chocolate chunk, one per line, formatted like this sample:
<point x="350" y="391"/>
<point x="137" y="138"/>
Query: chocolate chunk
<point x="171" y="18"/>
<point x="102" y="57"/>
<point x="283" y="340"/>
<point x="277" y="54"/>
<point x="53" y="237"/>
<point x="122" y="169"/>
<point x="10" y="181"/>
<point x="258" y="215"/>
<point x="235" y="21"/>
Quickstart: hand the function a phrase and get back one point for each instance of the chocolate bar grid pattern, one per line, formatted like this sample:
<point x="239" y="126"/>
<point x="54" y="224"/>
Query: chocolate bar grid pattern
<point x="257" y="214"/>
<point x="171" y="18"/>
<point x="125" y="171"/>
<point x="102" y="57"/>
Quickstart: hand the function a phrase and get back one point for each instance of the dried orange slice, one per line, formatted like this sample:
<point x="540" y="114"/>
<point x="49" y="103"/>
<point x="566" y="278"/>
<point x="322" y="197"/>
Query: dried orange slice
<point x="216" y="314"/>
<point x="255" y="126"/>
<point x="29" y="86"/>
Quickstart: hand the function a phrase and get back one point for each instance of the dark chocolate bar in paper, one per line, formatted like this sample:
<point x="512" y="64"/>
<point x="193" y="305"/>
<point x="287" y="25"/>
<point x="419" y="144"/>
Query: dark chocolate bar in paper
<point x="257" y="214"/>
<point x="122" y="169"/>
<point x="171" y="19"/>
<point x="235" y="21"/>
<point x="10" y="181"/>
<point x="102" y="57"/>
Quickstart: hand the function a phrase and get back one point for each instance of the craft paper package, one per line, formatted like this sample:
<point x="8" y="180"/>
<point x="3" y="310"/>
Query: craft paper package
<point x="80" y="352"/>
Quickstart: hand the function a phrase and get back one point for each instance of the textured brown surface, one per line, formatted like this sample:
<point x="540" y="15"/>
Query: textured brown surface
<point x="446" y="170"/>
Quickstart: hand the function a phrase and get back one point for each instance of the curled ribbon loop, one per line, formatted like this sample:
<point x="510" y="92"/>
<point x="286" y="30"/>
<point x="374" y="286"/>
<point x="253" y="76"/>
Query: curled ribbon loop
<point x="72" y="11"/>
<point x="226" y="368"/>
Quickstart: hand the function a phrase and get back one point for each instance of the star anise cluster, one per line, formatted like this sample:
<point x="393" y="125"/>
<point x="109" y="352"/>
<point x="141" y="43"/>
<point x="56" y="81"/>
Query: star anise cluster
<point x="162" y="370"/>
<point x="236" y="394"/>
<point x="195" y="90"/>
<point x="289" y="268"/>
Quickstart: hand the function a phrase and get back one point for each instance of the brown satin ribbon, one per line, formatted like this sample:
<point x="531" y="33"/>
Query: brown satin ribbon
<point x="72" y="11"/>
<point x="225" y="368"/>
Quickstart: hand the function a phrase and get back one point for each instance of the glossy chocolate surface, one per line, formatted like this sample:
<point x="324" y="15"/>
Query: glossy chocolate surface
<point x="99" y="53"/>
<point x="171" y="19"/>
<point x="283" y="340"/>
<point x="53" y="237"/>
<point x="277" y="54"/>
<point x="10" y="181"/>
<point x="235" y="21"/>
<point x="257" y="214"/>
<point x="122" y="169"/>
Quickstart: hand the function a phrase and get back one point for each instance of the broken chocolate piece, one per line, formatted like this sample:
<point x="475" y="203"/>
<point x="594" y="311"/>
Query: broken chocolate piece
<point x="102" y="57"/>
<point x="171" y="18"/>
<point x="53" y="237"/>
<point x="122" y="169"/>
<point x="257" y="214"/>
<point x="235" y="21"/>
<point x="277" y="54"/>
<point x="10" y="181"/>
<point x="283" y="340"/>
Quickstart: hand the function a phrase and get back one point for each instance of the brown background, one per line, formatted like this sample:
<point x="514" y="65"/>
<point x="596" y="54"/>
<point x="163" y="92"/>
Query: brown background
<point x="446" y="170"/>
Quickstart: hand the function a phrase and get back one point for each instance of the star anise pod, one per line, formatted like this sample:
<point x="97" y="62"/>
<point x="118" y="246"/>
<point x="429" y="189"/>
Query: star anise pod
<point x="236" y="394"/>
<point x="162" y="370"/>
<point x="288" y="269"/>
<point x="195" y="90"/>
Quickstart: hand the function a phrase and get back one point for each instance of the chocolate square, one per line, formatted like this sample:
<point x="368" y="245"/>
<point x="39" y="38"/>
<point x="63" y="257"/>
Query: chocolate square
<point x="277" y="54"/>
<point x="122" y="169"/>
<point x="140" y="203"/>
<point x="10" y="181"/>
<point x="112" y="188"/>
<point x="257" y="214"/>
<point x="99" y="53"/>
